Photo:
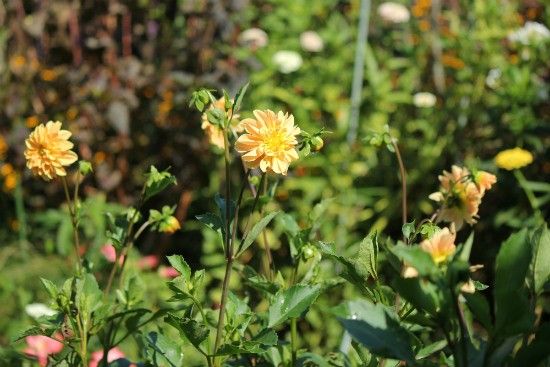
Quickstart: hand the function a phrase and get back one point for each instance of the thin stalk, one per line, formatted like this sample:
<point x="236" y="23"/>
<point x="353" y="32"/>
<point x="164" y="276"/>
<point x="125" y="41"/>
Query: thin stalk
<point x="403" y="174"/>
<point x="228" y="246"/>
<point x="293" y="340"/>
<point x="463" y="329"/>
<point x="270" y="266"/>
<point x="21" y="215"/>
<point x="528" y="192"/>
<point x="74" y="221"/>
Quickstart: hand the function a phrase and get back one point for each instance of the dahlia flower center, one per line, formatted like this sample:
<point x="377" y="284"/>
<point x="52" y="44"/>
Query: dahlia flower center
<point x="275" y="141"/>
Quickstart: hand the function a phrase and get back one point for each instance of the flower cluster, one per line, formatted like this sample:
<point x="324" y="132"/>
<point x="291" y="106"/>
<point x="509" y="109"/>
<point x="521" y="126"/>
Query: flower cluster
<point x="460" y="194"/>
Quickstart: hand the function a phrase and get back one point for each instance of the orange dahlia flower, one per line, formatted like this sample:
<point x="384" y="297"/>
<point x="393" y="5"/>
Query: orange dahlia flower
<point x="484" y="181"/>
<point x="49" y="151"/>
<point x="269" y="142"/>
<point x="441" y="246"/>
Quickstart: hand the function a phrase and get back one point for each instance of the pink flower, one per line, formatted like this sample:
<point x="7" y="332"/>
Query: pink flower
<point x="114" y="354"/>
<point x="168" y="272"/>
<point x="109" y="252"/>
<point x="148" y="262"/>
<point x="41" y="346"/>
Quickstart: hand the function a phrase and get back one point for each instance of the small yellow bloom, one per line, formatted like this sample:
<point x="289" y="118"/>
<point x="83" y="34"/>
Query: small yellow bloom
<point x="10" y="181"/>
<point x="441" y="246"/>
<point x="170" y="225"/>
<point x="6" y="169"/>
<point x="215" y="133"/>
<point x="49" y="151"/>
<point x="32" y="122"/>
<point x="511" y="159"/>
<point x="269" y="142"/>
<point x="48" y="75"/>
<point x="3" y="147"/>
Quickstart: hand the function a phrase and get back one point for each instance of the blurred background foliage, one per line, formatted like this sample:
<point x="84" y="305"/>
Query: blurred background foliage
<point x="119" y="75"/>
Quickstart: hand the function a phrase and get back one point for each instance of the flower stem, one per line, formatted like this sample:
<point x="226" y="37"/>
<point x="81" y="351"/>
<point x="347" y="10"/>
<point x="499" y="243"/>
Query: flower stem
<point x="528" y="192"/>
<point x="74" y="221"/>
<point x="403" y="174"/>
<point x="293" y="340"/>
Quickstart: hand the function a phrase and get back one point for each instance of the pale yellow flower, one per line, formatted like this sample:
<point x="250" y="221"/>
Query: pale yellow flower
<point x="49" y="151"/>
<point x="511" y="159"/>
<point x="409" y="272"/>
<point x="215" y="133"/>
<point x="269" y="142"/>
<point x="441" y="246"/>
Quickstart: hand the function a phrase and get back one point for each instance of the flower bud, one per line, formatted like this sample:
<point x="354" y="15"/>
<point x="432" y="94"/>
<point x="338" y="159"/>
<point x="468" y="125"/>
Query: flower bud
<point x="317" y="143"/>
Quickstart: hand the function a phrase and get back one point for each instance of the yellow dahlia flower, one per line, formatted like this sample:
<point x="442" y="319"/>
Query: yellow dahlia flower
<point x="269" y="142"/>
<point x="441" y="246"/>
<point x="49" y="151"/>
<point x="215" y="133"/>
<point x="511" y="159"/>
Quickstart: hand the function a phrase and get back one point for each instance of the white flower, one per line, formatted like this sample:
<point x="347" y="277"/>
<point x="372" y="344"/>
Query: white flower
<point x="530" y="33"/>
<point x="287" y="61"/>
<point x="393" y="12"/>
<point x="253" y="37"/>
<point x="424" y="100"/>
<point x="493" y="78"/>
<point x="311" y="41"/>
<point x="36" y="310"/>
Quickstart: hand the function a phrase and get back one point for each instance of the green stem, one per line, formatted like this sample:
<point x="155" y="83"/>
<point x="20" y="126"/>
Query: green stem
<point x="403" y="174"/>
<point x="293" y="340"/>
<point x="74" y="222"/>
<point x="463" y="329"/>
<point x="528" y="192"/>
<point x="21" y="215"/>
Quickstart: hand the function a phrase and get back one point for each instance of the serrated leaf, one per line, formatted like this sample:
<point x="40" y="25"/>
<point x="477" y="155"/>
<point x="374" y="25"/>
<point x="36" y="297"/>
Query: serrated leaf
<point x="193" y="331"/>
<point x="365" y="261"/>
<point x="291" y="303"/>
<point x="163" y="350"/>
<point x="251" y="236"/>
<point x="239" y="98"/>
<point x="180" y="265"/>
<point x="157" y="181"/>
<point x="51" y="288"/>
<point x="415" y="256"/>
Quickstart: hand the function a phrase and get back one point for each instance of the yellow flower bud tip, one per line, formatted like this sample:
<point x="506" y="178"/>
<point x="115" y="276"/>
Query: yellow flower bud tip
<point x="171" y="225"/>
<point x="511" y="159"/>
<point x="317" y="143"/>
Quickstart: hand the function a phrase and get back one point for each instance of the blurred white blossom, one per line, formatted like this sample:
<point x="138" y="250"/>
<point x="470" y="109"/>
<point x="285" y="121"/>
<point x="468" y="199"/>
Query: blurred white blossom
<point x="311" y="41"/>
<point x="253" y="37"/>
<point x="287" y="61"/>
<point x="493" y="78"/>
<point x="393" y="12"/>
<point x="36" y="310"/>
<point x="531" y="33"/>
<point x="424" y="100"/>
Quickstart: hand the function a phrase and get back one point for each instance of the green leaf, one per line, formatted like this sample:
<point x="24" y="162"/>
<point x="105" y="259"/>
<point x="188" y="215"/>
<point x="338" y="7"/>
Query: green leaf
<point x="422" y="295"/>
<point x="415" y="256"/>
<point x="88" y="296"/>
<point x="35" y="330"/>
<point x="84" y="167"/>
<point x="541" y="258"/>
<point x="251" y="236"/>
<point x="365" y="262"/>
<point x="258" y="344"/>
<point x="156" y="182"/>
<point x="51" y="288"/>
<point x="180" y="265"/>
<point x="239" y="98"/>
<point x="212" y="221"/>
<point x="513" y="311"/>
<point x="537" y="351"/>
<point x="292" y="302"/>
<point x="192" y="330"/>
<point x="466" y="248"/>
<point x="377" y="328"/>
<point x="162" y="350"/>
<point x="408" y="229"/>
<point x="258" y="281"/>
<point x="431" y="349"/>
<point x="479" y="306"/>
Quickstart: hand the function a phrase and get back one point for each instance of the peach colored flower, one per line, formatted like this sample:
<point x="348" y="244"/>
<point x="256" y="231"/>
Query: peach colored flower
<point x="441" y="246"/>
<point x="113" y="354"/>
<point x="109" y="252"/>
<point x="49" y="151"/>
<point x="269" y="142"/>
<point x="468" y="287"/>
<point x="148" y="262"/>
<point x="168" y="272"/>
<point x="484" y="181"/>
<point x="409" y="271"/>
<point x="215" y="133"/>
<point x="41" y="346"/>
